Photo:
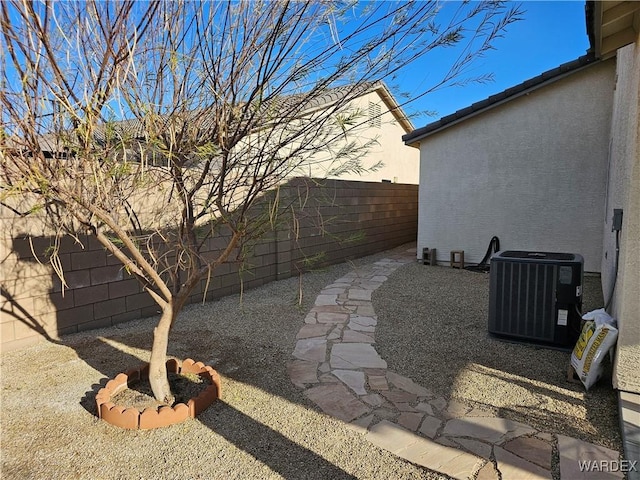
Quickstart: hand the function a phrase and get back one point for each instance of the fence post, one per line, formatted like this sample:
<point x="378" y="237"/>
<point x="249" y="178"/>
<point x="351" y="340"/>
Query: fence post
<point x="283" y="237"/>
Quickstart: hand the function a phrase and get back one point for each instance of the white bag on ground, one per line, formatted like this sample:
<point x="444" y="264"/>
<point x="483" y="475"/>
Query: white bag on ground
<point x="598" y="335"/>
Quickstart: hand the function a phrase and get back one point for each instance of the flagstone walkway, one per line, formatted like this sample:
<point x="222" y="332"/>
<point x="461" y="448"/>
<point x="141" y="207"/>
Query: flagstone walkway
<point x="339" y="369"/>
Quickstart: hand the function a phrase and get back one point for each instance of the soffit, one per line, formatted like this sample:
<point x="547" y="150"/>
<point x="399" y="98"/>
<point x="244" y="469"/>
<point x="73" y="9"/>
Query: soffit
<point x="615" y="24"/>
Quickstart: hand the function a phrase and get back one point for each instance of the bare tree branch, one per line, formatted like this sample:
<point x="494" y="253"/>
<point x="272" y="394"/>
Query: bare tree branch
<point x="158" y="126"/>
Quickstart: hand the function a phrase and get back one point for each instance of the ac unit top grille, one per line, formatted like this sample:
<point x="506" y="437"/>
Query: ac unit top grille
<point x="553" y="256"/>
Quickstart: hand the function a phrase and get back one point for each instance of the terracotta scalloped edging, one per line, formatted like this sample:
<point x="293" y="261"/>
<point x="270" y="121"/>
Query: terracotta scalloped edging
<point x="132" y="419"/>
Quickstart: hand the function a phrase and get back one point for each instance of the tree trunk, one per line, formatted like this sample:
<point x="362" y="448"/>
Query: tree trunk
<point x="157" y="365"/>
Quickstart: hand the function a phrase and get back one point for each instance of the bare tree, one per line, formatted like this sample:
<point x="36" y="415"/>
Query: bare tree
<point x="156" y="126"/>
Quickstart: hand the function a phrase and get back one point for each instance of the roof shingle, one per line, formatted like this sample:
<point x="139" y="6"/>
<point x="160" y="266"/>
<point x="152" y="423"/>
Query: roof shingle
<point x="510" y="93"/>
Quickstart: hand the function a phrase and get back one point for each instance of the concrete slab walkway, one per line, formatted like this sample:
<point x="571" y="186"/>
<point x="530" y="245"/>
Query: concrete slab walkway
<point x="336" y="364"/>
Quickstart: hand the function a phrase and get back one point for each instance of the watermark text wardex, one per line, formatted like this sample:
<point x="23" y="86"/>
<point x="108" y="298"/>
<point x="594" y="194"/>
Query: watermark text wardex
<point x="608" y="465"/>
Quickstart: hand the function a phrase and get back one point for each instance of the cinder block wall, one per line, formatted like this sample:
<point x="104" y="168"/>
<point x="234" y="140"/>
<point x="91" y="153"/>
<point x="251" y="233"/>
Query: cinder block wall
<point x="334" y="221"/>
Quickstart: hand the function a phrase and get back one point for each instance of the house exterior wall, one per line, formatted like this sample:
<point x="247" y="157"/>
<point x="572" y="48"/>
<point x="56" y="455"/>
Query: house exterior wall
<point x="401" y="163"/>
<point x="315" y="152"/>
<point x="339" y="220"/>
<point x="623" y="191"/>
<point x="531" y="171"/>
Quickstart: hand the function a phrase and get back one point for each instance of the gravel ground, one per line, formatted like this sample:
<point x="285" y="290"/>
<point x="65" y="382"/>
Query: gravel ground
<point x="263" y="427"/>
<point x="432" y="327"/>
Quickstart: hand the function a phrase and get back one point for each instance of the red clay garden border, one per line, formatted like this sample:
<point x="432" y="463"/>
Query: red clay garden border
<point x="133" y="419"/>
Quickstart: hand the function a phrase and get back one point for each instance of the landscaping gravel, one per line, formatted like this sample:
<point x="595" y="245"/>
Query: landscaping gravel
<point x="263" y="428"/>
<point x="431" y="328"/>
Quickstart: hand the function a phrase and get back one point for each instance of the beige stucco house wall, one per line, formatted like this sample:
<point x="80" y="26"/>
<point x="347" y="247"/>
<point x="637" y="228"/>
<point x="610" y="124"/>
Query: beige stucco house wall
<point x="378" y="123"/>
<point x="531" y="169"/>
<point x="623" y="191"/>
<point x="400" y="163"/>
<point x="614" y="31"/>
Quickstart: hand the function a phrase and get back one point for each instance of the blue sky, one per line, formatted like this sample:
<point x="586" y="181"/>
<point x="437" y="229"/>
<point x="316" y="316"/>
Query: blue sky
<point x="550" y="34"/>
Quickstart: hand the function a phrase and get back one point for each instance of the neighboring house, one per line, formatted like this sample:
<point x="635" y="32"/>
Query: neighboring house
<point x="384" y="122"/>
<point x="372" y="121"/>
<point x="543" y="165"/>
<point x="375" y="120"/>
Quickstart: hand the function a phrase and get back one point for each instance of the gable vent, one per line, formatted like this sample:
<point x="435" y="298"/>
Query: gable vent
<point x="374" y="115"/>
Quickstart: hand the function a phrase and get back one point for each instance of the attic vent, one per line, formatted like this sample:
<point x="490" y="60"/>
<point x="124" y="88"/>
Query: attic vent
<point x="374" y="115"/>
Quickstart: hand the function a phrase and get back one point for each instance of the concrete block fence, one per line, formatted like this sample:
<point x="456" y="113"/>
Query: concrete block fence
<point x="334" y="221"/>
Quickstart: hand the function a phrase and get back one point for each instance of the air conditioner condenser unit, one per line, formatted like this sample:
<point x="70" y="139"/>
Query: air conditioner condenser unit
<point x="536" y="297"/>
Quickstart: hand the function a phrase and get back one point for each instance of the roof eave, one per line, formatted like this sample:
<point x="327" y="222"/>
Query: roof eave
<point x="393" y="107"/>
<point x="517" y="91"/>
<point x="611" y="25"/>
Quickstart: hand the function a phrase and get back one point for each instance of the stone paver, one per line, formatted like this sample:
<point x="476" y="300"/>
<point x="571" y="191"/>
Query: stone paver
<point x="362" y="424"/>
<point x="324" y="367"/>
<point x="391" y="437"/>
<point x="406" y="384"/>
<point x="353" y="325"/>
<point x="302" y="372"/>
<point x="332" y="291"/>
<point x="359" y="294"/>
<point x="337" y="401"/>
<point x="574" y="452"/>
<point x="378" y="382"/>
<point x="336" y="363"/>
<point x="405" y="407"/>
<point x="438" y="403"/>
<point x="373" y="399"/>
<point x="410" y="420"/>
<point x="489" y="429"/>
<point x="351" y="336"/>
<point x="450" y="461"/>
<point x="476" y="447"/>
<point x="430" y="426"/>
<point x="379" y="278"/>
<point x="331" y="317"/>
<point x="533" y="449"/>
<point x="314" y="330"/>
<point x="399" y="396"/>
<point x="488" y="472"/>
<point x="353" y="379"/>
<point x="312" y="349"/>
<point x="385" y="413"/>
<point x="425" y="407"/>
<point x="326" y="299"/>
<point x="355" y="355"/>
<point x="365" y="310"/>
<point x="512" y="466"/>
<point x="363" y="321"/>
<point x="336" y="333"/>
<point x="328" y="378"/>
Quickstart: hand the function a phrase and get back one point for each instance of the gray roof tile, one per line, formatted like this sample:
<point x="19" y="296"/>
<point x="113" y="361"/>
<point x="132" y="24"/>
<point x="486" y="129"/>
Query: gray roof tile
<point x="492" y="101"/>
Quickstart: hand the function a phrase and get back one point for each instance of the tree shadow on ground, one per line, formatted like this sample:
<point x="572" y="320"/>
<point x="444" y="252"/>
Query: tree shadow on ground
<point x="244" y="358"/>
<point x="282" y="455"/>
<point x="235" y="358"/>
